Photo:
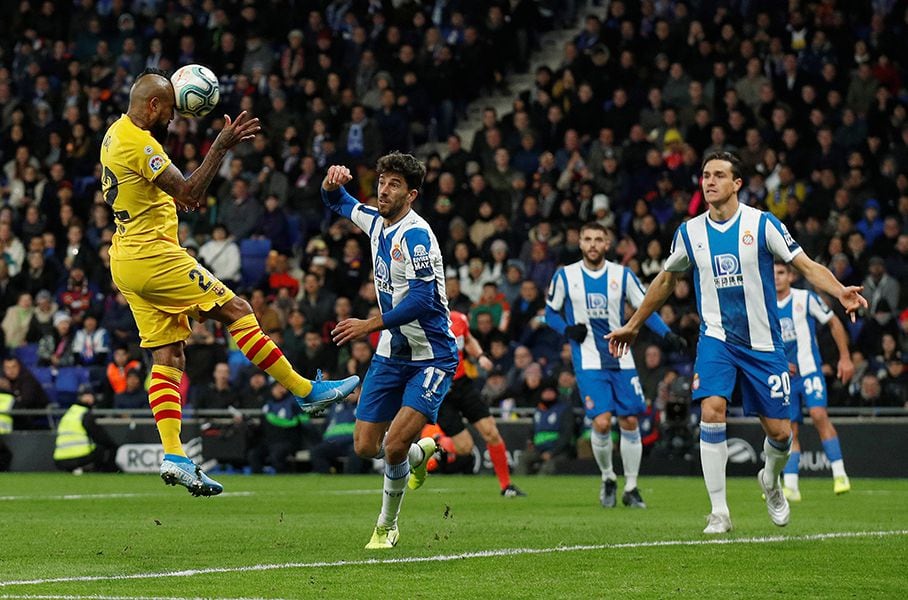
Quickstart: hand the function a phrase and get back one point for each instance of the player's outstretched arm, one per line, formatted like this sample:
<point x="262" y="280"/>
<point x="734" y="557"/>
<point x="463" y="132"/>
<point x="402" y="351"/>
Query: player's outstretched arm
<point x="620" y="340"/>
<point x="845" y="370"/>
<point x="336" y="177"/>
<point x="823" y="279"/>
<point x="188" y="193"/>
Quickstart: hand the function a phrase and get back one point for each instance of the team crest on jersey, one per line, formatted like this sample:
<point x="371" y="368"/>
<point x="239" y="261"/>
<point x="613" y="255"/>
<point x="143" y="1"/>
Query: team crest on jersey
<point x="382" y="277"/>
<point x="613" y="284"/>
<point x="799" y="307"/>
<point x="748" y="238"/>
<point x="588" y="401"/>
<point x="219" y="290"/>
<point x="156" y="162"/>
<point x="695" y="384"/>
<point x="597" y="306"/>
<point x="148" y="150"/>
<point x="396" y="254"/>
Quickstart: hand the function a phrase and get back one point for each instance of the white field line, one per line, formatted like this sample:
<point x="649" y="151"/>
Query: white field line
<point x="481" y="554"/>
<point x="96" y="597"/>
<point x="104" y="496"/>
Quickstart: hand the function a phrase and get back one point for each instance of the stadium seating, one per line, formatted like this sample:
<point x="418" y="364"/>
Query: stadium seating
<point x="45" y="376"/>
<point x="68" y="382"/>
<point x="253" y="254"/>
<point x="27" y="355"/>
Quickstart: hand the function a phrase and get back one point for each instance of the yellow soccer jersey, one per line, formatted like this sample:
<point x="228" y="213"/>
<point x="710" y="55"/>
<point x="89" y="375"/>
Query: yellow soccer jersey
<point x="146" y="217"/>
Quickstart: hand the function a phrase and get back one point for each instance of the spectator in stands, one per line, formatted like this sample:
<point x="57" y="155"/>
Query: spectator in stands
<point x="219" y="394"/>
<point x="25" y="388"/>
<point x="281" y="432"/>
<point x="77" y="294"/>
<point x="241" y="213"/>
<point x="492" y="301"/>
<point x="16" y="321"/>
<point x="337" y="440"/>
<point x="221" y="256"/>
<point x="133" y="396"/>
<point x="42" y="322"/>
<point x="317" y="302"/>
<point x="91" y="343"/>
<point x="56" y="349"/>
<point x="552" y="444"/>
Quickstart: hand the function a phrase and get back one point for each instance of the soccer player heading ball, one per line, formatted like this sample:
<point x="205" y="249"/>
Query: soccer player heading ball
<point x="162" y="283"/>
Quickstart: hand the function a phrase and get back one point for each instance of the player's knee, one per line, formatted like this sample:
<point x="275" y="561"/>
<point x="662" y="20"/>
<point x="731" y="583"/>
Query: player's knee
<point x="396" y="451"/>
<point x="171" y="356"/>
<point x="364" y="449"/>
<point x="462" y="446"/>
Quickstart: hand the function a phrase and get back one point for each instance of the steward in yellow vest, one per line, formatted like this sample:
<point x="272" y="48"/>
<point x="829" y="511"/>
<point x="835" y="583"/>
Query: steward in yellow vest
<point x="82" y="444"/>
<point x="6" y="425"/>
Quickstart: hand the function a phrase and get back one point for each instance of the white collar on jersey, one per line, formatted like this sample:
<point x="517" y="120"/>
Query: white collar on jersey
<point x="597" y="273"/>
<point x="725" y="225"/>
<point x="784" y="301"/>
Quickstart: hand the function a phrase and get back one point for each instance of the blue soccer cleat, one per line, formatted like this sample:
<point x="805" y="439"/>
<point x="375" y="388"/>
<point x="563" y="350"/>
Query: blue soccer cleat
<point x="325" y="393"/>
<point x="179" y="470"/>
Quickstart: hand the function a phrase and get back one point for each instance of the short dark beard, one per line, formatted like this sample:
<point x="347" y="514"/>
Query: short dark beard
<point x="159" y="132"/>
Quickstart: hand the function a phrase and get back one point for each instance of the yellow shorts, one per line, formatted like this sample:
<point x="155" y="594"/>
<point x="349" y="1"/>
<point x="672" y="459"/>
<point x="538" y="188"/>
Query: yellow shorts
<point x="164" y="291"/>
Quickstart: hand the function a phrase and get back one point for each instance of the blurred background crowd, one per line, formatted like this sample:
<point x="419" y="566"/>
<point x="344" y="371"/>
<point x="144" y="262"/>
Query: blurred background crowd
<point x="809" y="93"/>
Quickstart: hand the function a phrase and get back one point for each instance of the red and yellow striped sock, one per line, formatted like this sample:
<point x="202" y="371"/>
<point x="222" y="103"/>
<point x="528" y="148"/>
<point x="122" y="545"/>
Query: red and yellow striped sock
<point x="265" y="354"/>
<point x="164" y="399"/>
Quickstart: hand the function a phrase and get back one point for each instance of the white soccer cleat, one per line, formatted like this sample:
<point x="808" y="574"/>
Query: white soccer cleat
<point x="776" y="502"/>
<point x="717" y="523"/>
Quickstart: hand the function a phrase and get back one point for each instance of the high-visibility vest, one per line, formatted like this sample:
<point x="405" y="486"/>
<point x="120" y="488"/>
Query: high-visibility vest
<point x="72" y="439"/>
<point x="6" y="405"/>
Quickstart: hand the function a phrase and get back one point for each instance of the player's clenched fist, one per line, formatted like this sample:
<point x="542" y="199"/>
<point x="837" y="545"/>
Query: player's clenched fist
<point x="337" y="176"/>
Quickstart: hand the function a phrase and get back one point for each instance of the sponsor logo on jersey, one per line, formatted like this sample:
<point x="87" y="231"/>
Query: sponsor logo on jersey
<point x="597" y="305"/>
<point x="787" y="236"/>
<point x="748" y="238"/>
<point x="156" y="163"/>
<point x="728" y="271"/>
<point x="788" y="330"/>
<point x="695" y="384"/>
<point x="421" y="258"/>
<point x="383" y="277"/>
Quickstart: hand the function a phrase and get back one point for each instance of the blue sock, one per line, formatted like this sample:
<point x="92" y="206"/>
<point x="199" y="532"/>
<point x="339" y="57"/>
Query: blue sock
<point x="177" y="458"/>
<point x="832" y="449"/>
<point x="791" y="467"/>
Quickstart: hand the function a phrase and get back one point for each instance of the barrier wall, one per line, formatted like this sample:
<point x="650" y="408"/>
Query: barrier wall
<point x="872" y="448"/>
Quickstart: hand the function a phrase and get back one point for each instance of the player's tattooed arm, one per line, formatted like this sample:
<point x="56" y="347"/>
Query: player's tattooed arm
<point x="188" y="193"/>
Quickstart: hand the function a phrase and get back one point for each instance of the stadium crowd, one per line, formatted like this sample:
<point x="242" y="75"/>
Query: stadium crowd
<point x="809" y="94"/>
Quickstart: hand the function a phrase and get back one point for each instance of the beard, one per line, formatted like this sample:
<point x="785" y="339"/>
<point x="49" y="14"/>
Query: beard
<point x="159" y="132"/>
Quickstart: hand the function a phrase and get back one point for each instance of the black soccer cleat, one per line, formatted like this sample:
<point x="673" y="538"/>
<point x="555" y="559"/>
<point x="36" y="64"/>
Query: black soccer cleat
<point x="512" y="491"/>
<point x="608" y="495"/>
<point x="632" y="498"/>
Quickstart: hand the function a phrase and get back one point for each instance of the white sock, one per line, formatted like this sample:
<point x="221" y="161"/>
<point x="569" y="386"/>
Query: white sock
<point x="631" y="455"/>
<point x="713" y="458"/>
<point x="838" y="468"/>
<point x="791" y="480"/>
<point x="776" y="459"/>
<point x="415" y="455"/>
<point x="602" y="451"/>
<point x="395" y="483"/>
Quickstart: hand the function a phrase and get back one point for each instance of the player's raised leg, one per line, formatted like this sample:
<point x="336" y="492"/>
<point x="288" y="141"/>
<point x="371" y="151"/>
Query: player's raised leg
<point x="312" y="396"/>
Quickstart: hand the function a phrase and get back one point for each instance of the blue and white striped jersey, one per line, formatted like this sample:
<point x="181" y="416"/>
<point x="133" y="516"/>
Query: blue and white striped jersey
<point x="595" y="298"/>
<point x="403" y="254"/>
<point x="736" y="294"/>
<point x="798" y="315"/>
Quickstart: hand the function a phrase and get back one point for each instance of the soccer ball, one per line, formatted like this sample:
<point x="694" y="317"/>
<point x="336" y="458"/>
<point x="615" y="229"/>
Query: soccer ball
<point x="196" y="90"/>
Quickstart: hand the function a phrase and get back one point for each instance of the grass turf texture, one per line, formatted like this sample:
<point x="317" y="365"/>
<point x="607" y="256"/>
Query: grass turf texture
<point x="290" y="523"/>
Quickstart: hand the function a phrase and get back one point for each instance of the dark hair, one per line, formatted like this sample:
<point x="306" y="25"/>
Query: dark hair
<point x="594" y="225"/>
<point x="737" y="171"/>
<point x="406" y="165"/>
<point x="153" y="71"/>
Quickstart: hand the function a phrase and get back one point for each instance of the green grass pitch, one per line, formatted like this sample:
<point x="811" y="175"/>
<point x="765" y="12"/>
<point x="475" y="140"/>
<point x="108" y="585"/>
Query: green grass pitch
<point x="123" y="536"/>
